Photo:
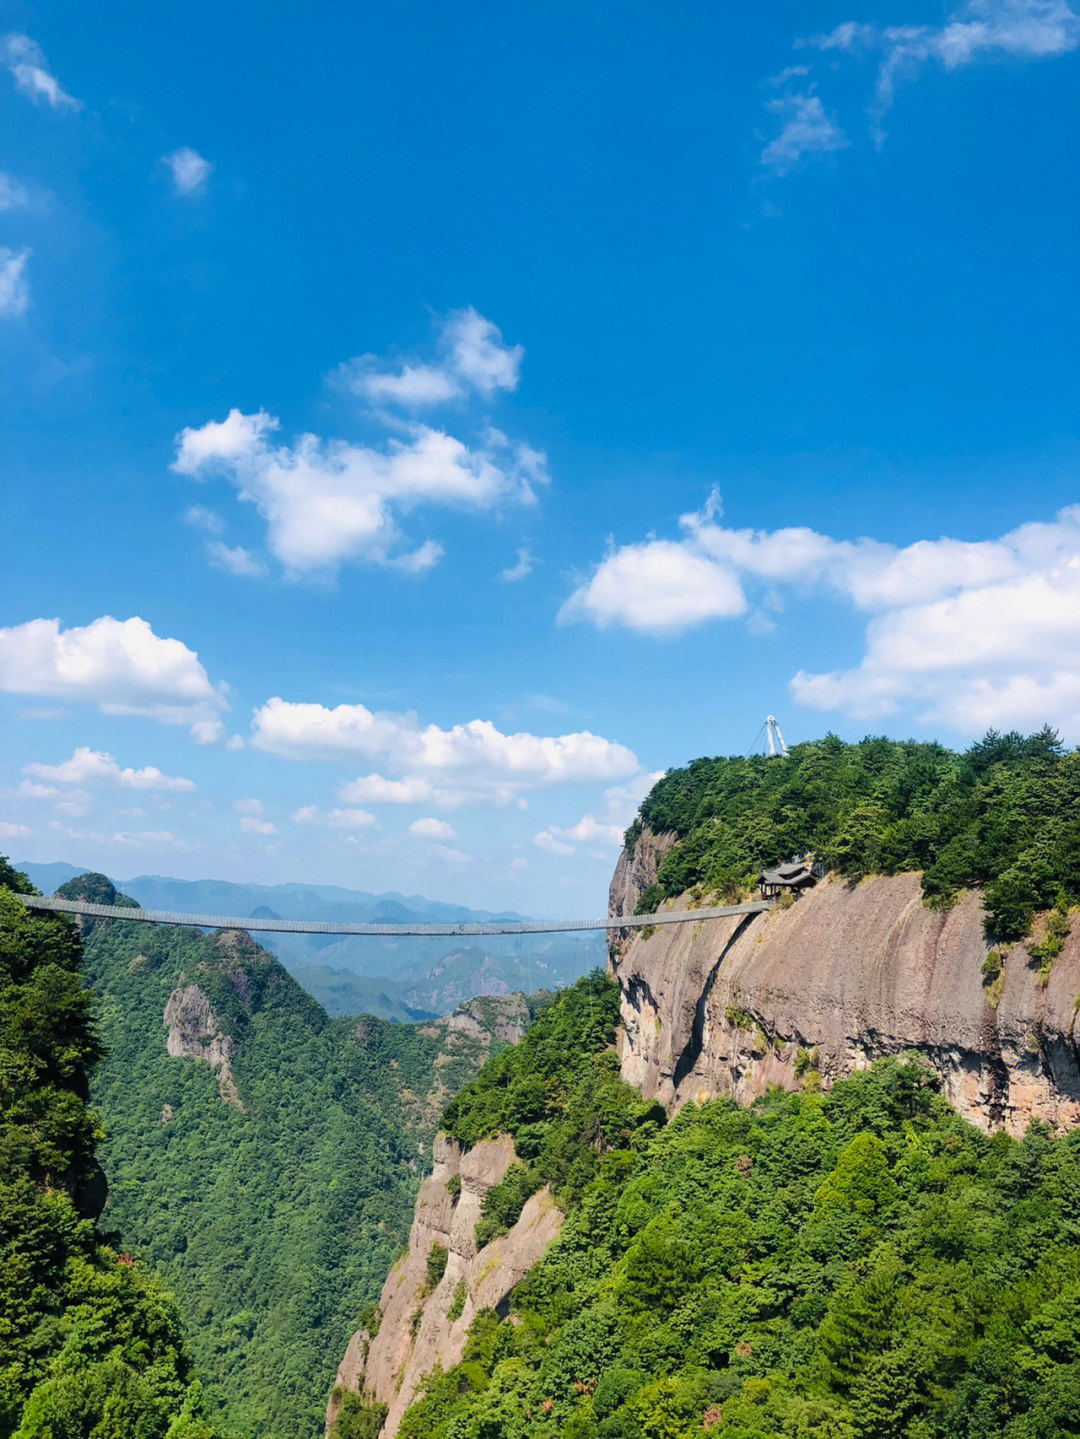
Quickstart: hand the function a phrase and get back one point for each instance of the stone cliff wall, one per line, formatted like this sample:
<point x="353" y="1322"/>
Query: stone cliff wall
<point x="415" y="1331"/>
<point x="844" y="975"/>
<point x="195" y="1033"/>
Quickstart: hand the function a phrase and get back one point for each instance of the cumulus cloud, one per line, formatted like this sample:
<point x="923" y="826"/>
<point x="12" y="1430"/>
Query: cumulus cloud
<point x="190" y="171"/>
<point x="119" y="665"/>
<point x="807" y="130"/>
<point x="12" y="831"/>
<point x="968" y="633"/>
<point x="336" y="818"/>
<point x="470" y="761"/>
<point x="25" y="60"/>
<point x="88" y="766"/>
<point x="659" y="587"/>
<point x="250" y="824"/>
<point x="14" y="283"/>
<point x="472" y="357"/>
<point x="376" y="789"/>
<point x="618" y="806"/>
<point x="325" y="502"/>
<point x="432" y="829"/>
<point x="235" y="560"/>
<point x="981" y="29"/>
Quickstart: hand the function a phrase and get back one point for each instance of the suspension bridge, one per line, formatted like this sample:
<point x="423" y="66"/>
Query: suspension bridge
<point x="317" y="926"/>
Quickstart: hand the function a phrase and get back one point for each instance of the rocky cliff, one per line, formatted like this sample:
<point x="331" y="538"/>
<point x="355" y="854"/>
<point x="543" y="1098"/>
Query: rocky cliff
<point x="842" y="976"/>
<point x="420" y="1324"/>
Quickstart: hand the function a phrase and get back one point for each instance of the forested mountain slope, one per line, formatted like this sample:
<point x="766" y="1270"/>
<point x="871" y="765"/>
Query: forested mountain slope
<point x="90" y="1343"/>
<point x="261" y="1155"/>
<point x="860" y="1264"/>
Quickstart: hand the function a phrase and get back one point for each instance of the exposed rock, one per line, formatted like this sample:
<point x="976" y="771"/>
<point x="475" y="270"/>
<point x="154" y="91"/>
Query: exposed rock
<point x="503" y="1017"/>
<point x="415" y="1331"/>
<point x="195" y="1033"/>
<point x="844" y="975"/>
<point x="634" y="873"/>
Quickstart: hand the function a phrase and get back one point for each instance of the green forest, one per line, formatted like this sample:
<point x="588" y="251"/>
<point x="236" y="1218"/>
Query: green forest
<point x="90" y="1341"/>
<point x="273" y="1221"/>
<point x="1004" y="815"/>
<point x="861" y="1264"/>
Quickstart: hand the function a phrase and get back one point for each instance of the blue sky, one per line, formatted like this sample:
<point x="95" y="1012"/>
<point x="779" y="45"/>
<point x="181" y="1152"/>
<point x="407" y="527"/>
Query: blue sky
<point x="421" y="425"/>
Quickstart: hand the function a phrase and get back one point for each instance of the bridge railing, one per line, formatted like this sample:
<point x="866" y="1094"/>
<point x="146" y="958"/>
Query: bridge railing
<point x="316" y="926"/>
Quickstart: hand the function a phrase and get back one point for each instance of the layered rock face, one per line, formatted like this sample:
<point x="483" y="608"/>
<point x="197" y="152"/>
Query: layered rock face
<point x="844" y="975"/>
<point x="415" y="1330"/>
<point x="195" y="1033"/>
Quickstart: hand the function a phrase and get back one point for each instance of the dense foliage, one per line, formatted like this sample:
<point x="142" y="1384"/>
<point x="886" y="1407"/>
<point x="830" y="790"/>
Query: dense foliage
<point x="560" y="1094"/>
<point x="856" y="1265"/>
<point x="1004" y="815"/>
<point x="89" y="1341"/>
<point x="274" y="1222"/>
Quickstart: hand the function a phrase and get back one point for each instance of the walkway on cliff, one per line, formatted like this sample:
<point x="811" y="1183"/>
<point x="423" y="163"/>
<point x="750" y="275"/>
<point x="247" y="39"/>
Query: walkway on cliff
<point x="316" y="926"/>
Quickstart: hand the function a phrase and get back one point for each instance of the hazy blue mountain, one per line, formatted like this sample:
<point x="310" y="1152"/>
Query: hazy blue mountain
<point x="394" y="977"/>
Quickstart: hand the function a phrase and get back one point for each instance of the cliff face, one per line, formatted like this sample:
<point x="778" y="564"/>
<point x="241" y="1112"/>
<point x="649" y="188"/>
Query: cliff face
<point x="195" y="1032"/>
<point x="415" y="1329"/>
<point x="844" y="975"/>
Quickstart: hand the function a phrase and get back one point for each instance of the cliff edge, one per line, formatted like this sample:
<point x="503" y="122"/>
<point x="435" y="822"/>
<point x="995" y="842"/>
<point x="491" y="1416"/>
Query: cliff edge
<point x="844" y="975"/>
<point x="422" y="1320"/>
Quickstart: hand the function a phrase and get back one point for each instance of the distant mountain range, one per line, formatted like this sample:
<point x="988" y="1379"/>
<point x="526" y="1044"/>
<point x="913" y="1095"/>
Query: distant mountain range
<point x="404" y="978"/>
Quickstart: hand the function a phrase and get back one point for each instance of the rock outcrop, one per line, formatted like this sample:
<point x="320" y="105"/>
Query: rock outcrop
<point x="844" y="975"/>
<point x="195" y="1032"/>
<point x="415" y="1330"/>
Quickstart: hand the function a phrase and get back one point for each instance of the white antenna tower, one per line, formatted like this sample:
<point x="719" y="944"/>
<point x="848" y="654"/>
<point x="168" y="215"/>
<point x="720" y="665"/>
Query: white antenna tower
<point x="776" y="739"/>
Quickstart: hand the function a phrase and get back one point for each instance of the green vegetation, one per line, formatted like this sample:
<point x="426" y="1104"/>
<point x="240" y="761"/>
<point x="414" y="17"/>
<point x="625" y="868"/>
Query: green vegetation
<point x="89" y="1341"/>
<point x="856" y="1265"/>
<point x="559" y="1093"/>
<point x="274" y="1222"/>
<point x="1004" y="815"/>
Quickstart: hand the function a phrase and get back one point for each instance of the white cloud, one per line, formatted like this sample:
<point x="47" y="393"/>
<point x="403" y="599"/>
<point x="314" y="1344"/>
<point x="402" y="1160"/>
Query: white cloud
<point x="411" y="387"/>
<point x="336" y="818"/>
<point x="190" y="171"/>
<point x="14" y="283"/>
<point x="250" y="825"/>
<point x="248" y="806"/>
<point x="26" y="62"/>
<point x="235" y="560"/>
<point x="961" y="632"/>
<point x="1021" y="29"/>
<point x="13" y="193"/>
<point x="659" y="587"/>
<point x="475" y="759"/>
<point x="547" y="841"/>
<point x="618" y="806"/>
<point x="119" y="665"/>
<point x="88" y="766"/>
<point x="12" y="831"/>
<point x="808" y="130"/>
<point x="375" y="789"/>
<point x="330" y="501"/>
<point x="432" y="829"/>
<point x="478" y="354"/>
<point x="235" y="742"/>
<point x="202" y="518"/>
<point x="457" y="858"/>
<point x="473" y="356"/>
<point x="526" y="563"/>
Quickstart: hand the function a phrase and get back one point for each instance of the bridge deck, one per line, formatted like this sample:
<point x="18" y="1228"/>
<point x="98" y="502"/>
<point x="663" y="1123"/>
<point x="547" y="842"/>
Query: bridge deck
<point x="315" y="926"/>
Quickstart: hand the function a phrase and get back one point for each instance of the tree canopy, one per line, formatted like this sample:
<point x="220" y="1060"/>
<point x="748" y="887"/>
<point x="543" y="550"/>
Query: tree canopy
<point x="1004" y="815"/>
